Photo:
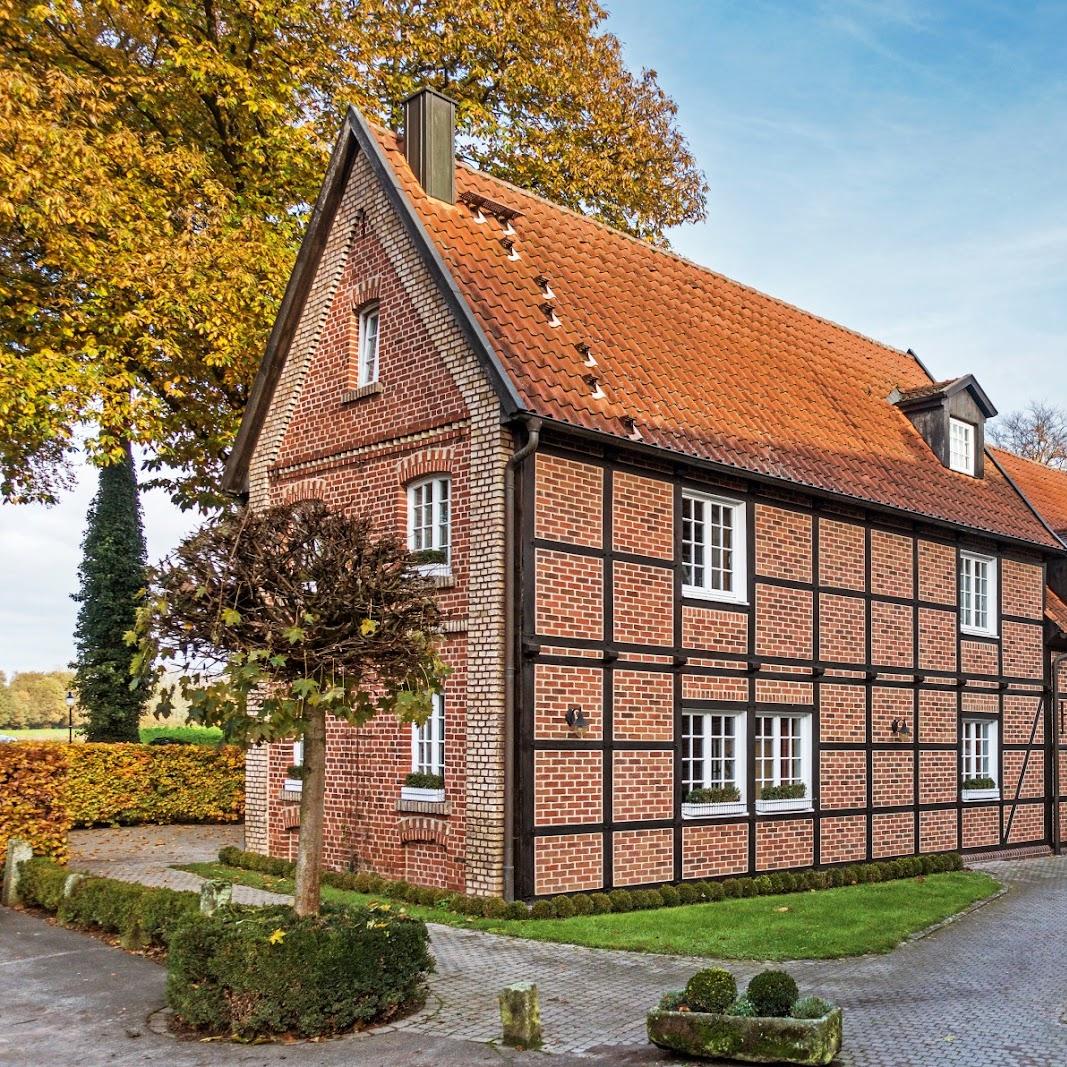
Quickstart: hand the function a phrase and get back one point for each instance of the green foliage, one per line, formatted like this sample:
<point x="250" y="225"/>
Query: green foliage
<point x="34" y="700"/>
<point x="191" y="735"/>
<point x="669" y="896"/>
<point x="742" y="1008"/>
<point x="726" y="794"/>
<point x="762" y="886"/>
<point x="254" y="972"/>
<point x="41" y="883"/>
<point x="811" y="1008"/>
<point x="601" y="903"/>
<point x="582" y="904"/>
<point x="711" y="990"/>
<point x="563" y="906"/>
<point x="424" y="780"/>
<point x="111" y="576"/>
<point x="621" y="900"/>
<point x="982" y="782"/>
<point x="688" y="894"/>
<point x="517" y="910"/>
<point x="672" y="1001"/>
<point x="543" y="909"/>
<point x="797" y="791"/>
<point x="494" y="908"/>
<point x="772" y="993"/>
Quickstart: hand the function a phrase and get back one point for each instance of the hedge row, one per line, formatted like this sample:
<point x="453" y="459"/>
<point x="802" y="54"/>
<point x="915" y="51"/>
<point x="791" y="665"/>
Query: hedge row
<point x="142" y="916"/>
<point x="615" y="900"/>
<point x="47" y="787"/>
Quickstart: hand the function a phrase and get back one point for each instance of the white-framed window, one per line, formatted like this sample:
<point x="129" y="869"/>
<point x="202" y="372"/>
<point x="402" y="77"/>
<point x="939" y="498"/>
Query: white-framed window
<point x="713" y="547"/>
<point x="428" y="740"/>
<point x="979" y="765"/>
<point x="369" y="321"/>
<point x="430" y="523"/>
<point x="783" y="762"/>
<point x="978" y="594"/>
<point x="713" y="758"/>
<point x="291" y="784"/>
<point x="961" y="445"/>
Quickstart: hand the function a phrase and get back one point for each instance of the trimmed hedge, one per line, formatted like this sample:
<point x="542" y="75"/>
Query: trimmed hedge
<point x="32" y="802"/>
<point x="268" y="971"/>
<point x="142" y="916"/>
<point x="616" y="900"/>
<point x="47" y="787"/>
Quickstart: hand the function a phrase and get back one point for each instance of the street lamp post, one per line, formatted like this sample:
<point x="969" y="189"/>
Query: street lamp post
<point x="70" y="717"/>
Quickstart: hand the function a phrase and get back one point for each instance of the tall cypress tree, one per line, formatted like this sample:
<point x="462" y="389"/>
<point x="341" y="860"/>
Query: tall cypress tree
<point x="112" y="571"/>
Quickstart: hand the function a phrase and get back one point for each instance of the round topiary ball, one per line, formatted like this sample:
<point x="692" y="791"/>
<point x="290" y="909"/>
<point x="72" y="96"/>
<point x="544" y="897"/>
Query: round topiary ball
<point x="712" y="990"/>
<point x="564" y="907"/>
<point x="601" y="903"/>
<point x="543" y="909"/>
<point x="772" y="993"/>
<point x="582" y="904"/>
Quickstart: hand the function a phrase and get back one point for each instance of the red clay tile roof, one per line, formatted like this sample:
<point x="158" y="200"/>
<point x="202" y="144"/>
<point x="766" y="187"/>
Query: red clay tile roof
<point x="1045" y="488"/>
<point x="706" y="366"/>
<point x="1055" y="609"/>
<point x="931" y="389"/>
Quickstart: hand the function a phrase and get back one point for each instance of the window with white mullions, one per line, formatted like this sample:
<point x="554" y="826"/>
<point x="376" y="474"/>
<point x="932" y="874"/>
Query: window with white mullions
<point x="783" y="761"/>
<point x="710" y="751"/>
<point x="961" y="446"/>
<point x="430" y="523"/>
<point x="428" y="740"/>
<point x="369" y="320"/>
<point x="713" y="547"/>
<point x="977" y="593"/>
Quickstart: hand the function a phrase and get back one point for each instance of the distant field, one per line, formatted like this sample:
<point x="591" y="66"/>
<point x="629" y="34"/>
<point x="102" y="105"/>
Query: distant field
<point x="200" y="735"/>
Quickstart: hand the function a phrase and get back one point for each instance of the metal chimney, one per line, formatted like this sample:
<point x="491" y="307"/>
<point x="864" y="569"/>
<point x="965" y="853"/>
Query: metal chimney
<point x="430" y="142"/>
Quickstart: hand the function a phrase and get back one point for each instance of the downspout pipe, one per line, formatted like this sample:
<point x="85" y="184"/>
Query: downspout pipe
<point x="1057" y="662"/>
<point x="512" y="554"/>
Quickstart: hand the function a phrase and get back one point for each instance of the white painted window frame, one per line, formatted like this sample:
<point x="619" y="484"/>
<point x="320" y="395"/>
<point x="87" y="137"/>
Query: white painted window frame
<point x="705" y="590"/>
<point x="440" y="488"/>
<point x="966" y="579"/>
<point x="295" y="785"/>
<point x="740" y="761"/>
<point x="965" y="434"/>
<point x="969" y="765"/>
<point x="369" y="344"/>
<point x="806" y="802"/>
<point x="428" y="739"/>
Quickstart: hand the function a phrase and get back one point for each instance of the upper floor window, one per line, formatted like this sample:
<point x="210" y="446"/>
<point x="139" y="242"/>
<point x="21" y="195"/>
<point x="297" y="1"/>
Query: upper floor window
<point x="368" y="345"/>
<point x="961" y="446"/>
<point x="783" y="762"/>
<point x="978" y="594"/>
<point x="713" y="763"/>
<point x="713" y="547"/>
<point x="293" y="781"/>
<point x="430" y="523"/>
<point x="979" y="767"/>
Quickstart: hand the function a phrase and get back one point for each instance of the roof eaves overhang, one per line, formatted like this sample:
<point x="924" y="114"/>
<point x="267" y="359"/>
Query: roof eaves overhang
<point x="356" y="136"/>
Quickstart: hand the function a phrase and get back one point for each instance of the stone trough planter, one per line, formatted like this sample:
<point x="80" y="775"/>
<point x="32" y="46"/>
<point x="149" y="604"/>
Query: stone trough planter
<point x="758" y="1040"/>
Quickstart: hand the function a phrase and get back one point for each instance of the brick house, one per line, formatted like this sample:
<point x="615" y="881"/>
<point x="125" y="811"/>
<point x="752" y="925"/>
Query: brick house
<point x="727" y="587"/>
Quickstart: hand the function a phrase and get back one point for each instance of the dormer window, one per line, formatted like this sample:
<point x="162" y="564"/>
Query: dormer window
<point x="961" y="446"/>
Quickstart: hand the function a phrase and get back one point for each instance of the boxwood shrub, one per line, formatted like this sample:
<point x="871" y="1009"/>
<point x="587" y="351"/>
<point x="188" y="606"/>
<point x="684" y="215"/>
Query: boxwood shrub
<point x="252" y="972"/>
<point x="615" y="900"/>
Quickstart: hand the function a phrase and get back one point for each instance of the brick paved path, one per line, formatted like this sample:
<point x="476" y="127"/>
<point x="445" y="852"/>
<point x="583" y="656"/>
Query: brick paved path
<point x="987" y="991"/>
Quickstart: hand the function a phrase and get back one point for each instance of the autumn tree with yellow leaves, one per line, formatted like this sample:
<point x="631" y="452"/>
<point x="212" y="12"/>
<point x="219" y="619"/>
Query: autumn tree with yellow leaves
<point x="157" y="163"/>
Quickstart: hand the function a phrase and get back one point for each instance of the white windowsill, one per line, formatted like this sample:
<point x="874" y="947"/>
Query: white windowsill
<point x="425" y="796"/>
<point x="979" y="794"/>
<point x="712" y="811"/>
<point x="292" y="785"/>
<point x="434" y="570"/>
<point x="973" y="631"/>
<point x="766" y="807"/>
<point x="693" y="592"/>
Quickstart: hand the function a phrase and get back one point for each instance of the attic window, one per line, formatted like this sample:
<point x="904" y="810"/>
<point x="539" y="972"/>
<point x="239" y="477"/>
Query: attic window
<point x="961" y="446"/>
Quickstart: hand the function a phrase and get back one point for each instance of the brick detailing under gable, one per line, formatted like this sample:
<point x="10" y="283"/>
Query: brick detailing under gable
<point x="569" y="501"/>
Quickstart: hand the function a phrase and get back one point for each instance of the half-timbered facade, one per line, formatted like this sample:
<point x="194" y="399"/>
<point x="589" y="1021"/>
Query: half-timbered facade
<point x="727" y="587"/>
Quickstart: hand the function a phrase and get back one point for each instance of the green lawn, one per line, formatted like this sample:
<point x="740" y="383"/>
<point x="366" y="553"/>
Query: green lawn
<point x="823" y="924"/>
<point x="201" y="735"/>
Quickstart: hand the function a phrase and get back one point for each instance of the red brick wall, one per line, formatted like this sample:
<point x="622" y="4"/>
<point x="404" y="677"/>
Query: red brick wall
<point x="570" y="501"/>
<point x="643" y="522"/>
<point x="643" y="706"/>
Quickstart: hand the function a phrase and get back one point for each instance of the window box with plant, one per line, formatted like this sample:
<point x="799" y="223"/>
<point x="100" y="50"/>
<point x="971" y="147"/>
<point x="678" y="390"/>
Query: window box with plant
<point x="713" y="763"/>
<point x="419" y="785"/>
<point x="770" y="1023"/>
<point x="980" y="738"/>
<point x="426" y="781"/>
<point x="706" y="803"/>
<point x="783" y="798"/>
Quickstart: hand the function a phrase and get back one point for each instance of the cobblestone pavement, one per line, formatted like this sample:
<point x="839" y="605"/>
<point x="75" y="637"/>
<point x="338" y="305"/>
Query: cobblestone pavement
<point x="987" y="991"/>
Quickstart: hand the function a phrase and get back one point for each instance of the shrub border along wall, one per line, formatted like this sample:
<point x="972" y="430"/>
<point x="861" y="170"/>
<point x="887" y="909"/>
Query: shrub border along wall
<point x="614" y="900"/>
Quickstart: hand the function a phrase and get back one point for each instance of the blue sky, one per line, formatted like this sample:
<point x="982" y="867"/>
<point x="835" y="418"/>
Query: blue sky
<point x="897" y="167"/>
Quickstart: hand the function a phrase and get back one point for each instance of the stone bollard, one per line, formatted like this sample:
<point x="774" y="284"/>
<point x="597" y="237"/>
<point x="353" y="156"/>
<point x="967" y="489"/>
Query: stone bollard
<point x="71" y="882"/>
<point x="520" y="1015"/>
<point x="18" y="851"/>
<point x="214" y="894"/>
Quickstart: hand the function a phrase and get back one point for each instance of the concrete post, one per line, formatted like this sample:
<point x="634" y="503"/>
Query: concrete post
<point x="71" y="882"/>
<point x="520" y="1015"/>
<point x="17" y="852"/>
<point x="214" y="894"/>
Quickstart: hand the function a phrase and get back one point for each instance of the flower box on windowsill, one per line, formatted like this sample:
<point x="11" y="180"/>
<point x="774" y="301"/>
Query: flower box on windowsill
<point x="425" y="796"/>
<point x="711" y="811"/>
<point x="980" y="794"/>
<point x="767" y="807"/>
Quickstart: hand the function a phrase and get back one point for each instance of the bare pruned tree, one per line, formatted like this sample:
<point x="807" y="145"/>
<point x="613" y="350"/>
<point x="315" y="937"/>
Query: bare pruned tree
<point x="1039" y="433"/>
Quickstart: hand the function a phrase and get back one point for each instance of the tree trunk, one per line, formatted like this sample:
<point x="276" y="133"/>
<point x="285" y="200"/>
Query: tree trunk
<point x="312" y="815"/>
